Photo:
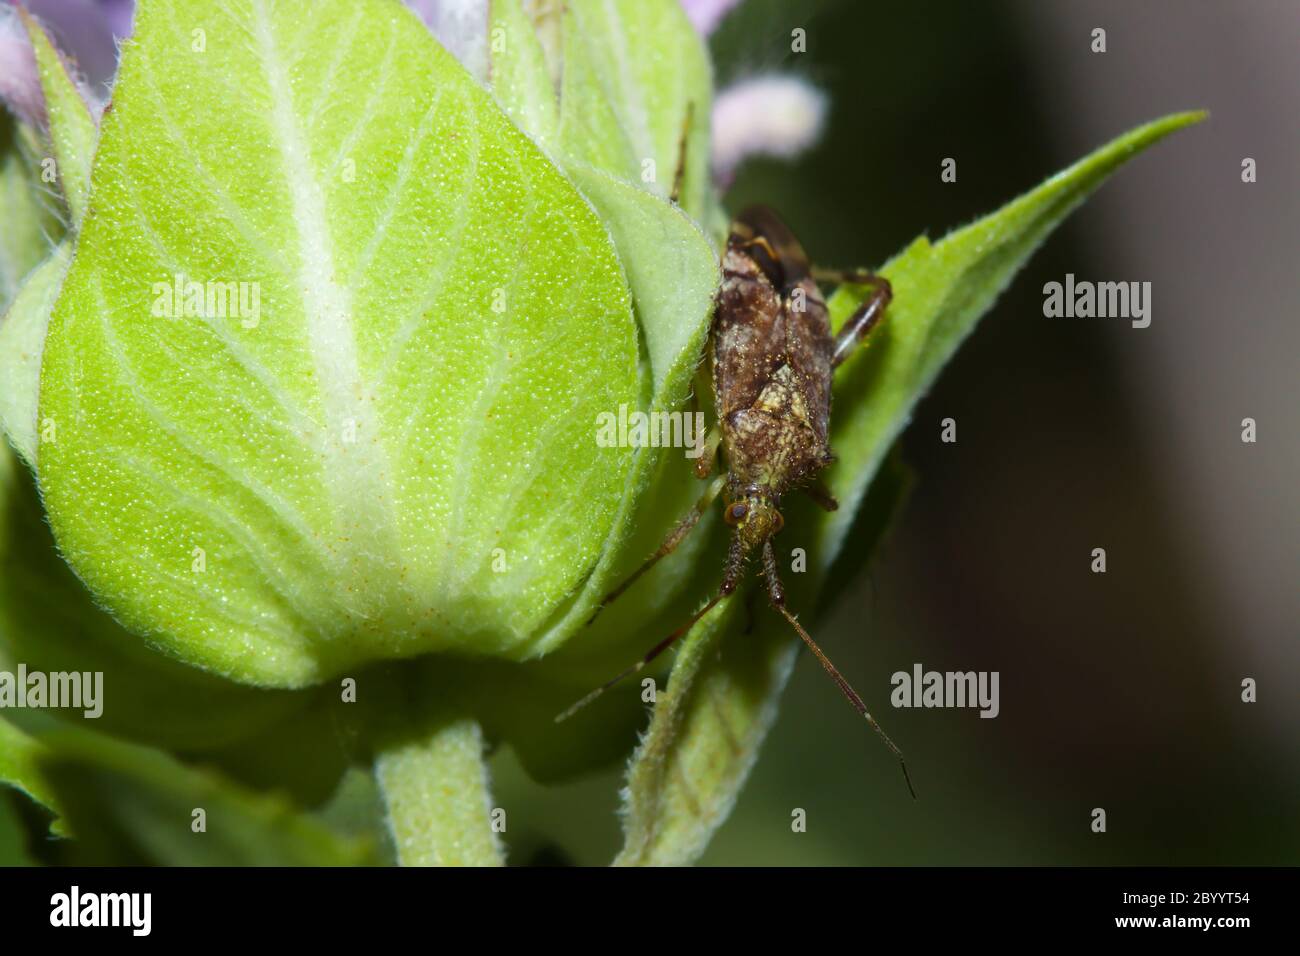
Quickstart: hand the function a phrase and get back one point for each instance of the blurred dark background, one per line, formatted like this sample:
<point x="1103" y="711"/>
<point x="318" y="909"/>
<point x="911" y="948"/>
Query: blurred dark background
<point x="1122" y="690"/>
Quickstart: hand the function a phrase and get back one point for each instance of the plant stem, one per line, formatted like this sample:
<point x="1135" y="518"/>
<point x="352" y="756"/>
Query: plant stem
<point x="435" y="787"/>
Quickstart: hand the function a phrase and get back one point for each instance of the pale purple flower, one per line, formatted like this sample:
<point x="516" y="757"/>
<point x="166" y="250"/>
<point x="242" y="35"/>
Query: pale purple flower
<point x="20" y="85"/>
<point x="83" y="31"/>
<point x="461" y="26"/>
<point x="118" y="14"/>
<point x="707" y="14"/>
<point x="770" y="115"/>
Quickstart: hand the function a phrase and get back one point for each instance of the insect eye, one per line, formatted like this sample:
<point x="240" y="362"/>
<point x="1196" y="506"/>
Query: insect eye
<point x="735" y="513"/>
<point x="778" y="523"/>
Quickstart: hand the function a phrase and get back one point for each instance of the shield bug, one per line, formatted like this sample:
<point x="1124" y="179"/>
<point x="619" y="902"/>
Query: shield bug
<point x="772" y="355"/>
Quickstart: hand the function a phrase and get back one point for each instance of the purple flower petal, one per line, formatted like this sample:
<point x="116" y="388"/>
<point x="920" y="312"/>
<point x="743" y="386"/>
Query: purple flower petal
<point x="707" y="14"/>
<point x="118" y="14"/>
<point x="769" y="115"/>
<point x="20" y="84"/>
<point x="461" y="26"/>
<point x="80" y="30"/>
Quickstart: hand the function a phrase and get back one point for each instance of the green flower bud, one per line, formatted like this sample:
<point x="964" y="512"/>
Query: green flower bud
<point x="322" y="379"/>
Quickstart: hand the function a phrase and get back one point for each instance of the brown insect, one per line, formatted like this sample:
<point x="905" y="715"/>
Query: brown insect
<point x="772" y="356"/>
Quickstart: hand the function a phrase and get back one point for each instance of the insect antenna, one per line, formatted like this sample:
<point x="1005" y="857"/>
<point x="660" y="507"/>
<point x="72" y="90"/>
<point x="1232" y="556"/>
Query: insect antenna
<point x="847" y="690"/>
<point x="654" y="652"/>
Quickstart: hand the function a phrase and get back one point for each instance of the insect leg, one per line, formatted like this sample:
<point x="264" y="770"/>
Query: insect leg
<point x="841" y="276"/>
<point x="730" y="580"/>
<point x="654" y="652"/>
<point x="863" y="320"/>
<point x="675" y="537"/>
<point x="776" y="593"/>
<point x="819" y="493"/>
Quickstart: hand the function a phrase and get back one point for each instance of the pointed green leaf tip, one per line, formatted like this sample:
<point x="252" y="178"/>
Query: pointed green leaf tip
<point x="382" y="445"/>
<point x="722" y="693"/>
<point x="72" y="129"/>
<point x="940" y="292"/>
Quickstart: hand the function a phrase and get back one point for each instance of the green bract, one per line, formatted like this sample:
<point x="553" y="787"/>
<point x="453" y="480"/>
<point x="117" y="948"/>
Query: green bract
<point x="29" y="222"/>
<point x="387" y="447"/>
<point x="70" y="139"/>
<point x="72" y="128"/>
